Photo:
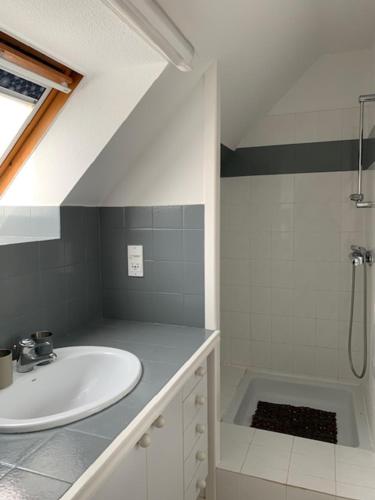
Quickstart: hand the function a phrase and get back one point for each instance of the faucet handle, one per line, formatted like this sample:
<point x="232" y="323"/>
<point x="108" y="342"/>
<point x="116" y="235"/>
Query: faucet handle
<point x="26" y="342"/>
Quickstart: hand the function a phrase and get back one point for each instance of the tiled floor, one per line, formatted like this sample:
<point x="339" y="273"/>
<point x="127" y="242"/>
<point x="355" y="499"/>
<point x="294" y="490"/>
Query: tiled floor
<point x="288" y="467"/>
<point x="297" y="462"/>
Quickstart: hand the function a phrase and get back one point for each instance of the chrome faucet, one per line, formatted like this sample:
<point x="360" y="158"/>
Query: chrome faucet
<point x="30" y="353"/>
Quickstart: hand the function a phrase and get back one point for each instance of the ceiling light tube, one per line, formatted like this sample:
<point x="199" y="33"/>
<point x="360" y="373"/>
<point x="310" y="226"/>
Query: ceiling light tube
<point x="155" y="26"/>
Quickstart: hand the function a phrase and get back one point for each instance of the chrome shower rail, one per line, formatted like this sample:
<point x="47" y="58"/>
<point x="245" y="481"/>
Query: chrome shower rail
<point x="358" y="196"/>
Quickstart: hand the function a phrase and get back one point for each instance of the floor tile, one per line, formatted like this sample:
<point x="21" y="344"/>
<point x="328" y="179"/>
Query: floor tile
<point x="235" y="441"/>
<point x="261" y="455"/>
<point x="314" y="448"/>
<point x="355" y="456"/>
<point x="312" y="465"/>
<point x="354" y="474"/>
<point x="314" y="483"/>
<point x="276" y="442"/>
<point x="354" y="492"/>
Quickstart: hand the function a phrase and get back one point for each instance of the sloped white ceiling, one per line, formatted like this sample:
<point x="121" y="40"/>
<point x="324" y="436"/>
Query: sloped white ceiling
<point x="118" y="68"/>
<point x="264" y="46"/>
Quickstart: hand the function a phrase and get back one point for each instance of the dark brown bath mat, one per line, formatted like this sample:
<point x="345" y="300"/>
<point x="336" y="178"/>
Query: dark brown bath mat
<point x="298" y="421"/>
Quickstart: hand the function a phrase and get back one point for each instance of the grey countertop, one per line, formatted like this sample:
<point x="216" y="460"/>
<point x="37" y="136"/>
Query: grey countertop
<point x="43" y="465"/>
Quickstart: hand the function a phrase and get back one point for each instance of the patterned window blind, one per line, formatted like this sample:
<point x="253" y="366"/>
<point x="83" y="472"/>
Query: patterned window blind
<point x="20" y="85"/>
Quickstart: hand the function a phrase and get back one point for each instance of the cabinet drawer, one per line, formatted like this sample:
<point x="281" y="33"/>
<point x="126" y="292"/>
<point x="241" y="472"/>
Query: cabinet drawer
<point x="195" y="401"/>
<point x="198" y="374"/>
<point x="197" y="458"/>
<point x="195" y="430"/>
<point x="192" y="491"/>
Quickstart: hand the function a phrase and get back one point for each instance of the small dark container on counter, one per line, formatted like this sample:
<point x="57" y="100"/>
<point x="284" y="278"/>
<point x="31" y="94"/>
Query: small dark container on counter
<point x="6" y="368"/>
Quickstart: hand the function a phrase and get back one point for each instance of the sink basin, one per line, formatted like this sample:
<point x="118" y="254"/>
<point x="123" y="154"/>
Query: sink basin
<point x="80" y="382"/>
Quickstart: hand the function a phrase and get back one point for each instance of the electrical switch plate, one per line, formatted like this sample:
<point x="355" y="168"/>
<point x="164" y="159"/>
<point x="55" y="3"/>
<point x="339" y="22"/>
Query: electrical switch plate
<point x="135" y="260"/>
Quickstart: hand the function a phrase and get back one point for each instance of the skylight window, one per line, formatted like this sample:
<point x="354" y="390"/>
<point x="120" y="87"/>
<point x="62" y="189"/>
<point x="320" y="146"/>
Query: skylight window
<point x="33" y="89"/>
<point x="18" y="101"/>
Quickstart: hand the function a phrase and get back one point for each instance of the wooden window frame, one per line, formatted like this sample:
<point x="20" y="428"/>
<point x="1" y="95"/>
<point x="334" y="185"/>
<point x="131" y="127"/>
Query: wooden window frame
<point x="30" y="59"/>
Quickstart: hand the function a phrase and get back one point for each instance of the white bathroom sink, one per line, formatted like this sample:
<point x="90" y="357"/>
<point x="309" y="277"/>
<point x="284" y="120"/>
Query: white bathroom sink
<point x="80" y="382"/>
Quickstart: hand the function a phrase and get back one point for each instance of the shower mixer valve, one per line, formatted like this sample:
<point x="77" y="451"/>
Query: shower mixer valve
<point x="360" y="255"/>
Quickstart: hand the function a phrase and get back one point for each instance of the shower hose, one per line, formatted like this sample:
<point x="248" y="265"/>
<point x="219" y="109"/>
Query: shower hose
<point x="362" y="373"/>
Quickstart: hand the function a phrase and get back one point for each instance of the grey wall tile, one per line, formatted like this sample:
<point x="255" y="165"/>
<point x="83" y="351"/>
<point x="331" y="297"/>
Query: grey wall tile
<point x="173" y="264"/>
<point x="167" y="244"/>
<point x="193" y="245"/>
<point x="51" y="254"/>
<point x="18" y="260"/>
<point x="113" y="242"/>
<point x="138" y="217"/>
<point x="167" y="217"/>
<point x="26" y="485"/>
<point x="193" y="314"/>
<point x="168" y="276"/>
<point x="193" y="217"/>
<point x="169" y="308"/>
<point x="145" y="283"/>
<point x="140" y="306"/>
<point x="141" y="237"/>
<point x="112" y="216"/>
<point x="54" y="285"/>
<point x="193" y="281"/>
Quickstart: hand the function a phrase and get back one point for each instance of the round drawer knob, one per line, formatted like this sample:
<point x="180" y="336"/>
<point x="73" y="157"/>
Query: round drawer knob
<point x="159" y="422"/>
<point x="145" y="441"/>
<point x="201" y="484"/>
<point x="200" y="400"/>
<point x="199" y="372"/>
<point x="200" y="456"/>
<point x="200" y="428"/>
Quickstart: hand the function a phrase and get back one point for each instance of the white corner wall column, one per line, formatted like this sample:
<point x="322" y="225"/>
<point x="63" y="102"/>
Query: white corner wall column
<point x="211" y="187"/>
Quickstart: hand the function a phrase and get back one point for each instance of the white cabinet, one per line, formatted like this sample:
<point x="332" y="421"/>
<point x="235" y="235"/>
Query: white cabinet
<point x="170" y="460"/>
<point x="127" y="479"/>
<point x="165" y="455"/>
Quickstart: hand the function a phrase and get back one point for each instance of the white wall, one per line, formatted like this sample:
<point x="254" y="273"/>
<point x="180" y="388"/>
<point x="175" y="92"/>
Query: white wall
<point x="321" y="106"/>
<point x="118" y="67"/>
<point x="170" y="171"/>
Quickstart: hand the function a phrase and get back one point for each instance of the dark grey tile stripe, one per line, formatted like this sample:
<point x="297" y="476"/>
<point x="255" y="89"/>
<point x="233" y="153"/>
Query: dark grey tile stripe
<point x="329" y="156"/>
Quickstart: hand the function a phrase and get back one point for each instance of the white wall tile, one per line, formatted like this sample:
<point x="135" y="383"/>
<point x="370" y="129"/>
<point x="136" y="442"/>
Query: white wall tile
<point x="282" y="301"/>
<point x="261" y="327"/>
<point x="282" y="329"/>
<point x="240" y="352"/>
<point x="317" y="188"/>
<point x="260" y="300"/>
<point x="286" y="275"/>
<point x="304" y="331"/>
<point x="236" y="325"/>
<point x="282" y="245"/>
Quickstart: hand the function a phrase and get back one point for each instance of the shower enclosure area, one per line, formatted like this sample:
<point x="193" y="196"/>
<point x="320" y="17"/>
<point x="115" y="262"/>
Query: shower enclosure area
<point x="297" y="308"/>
